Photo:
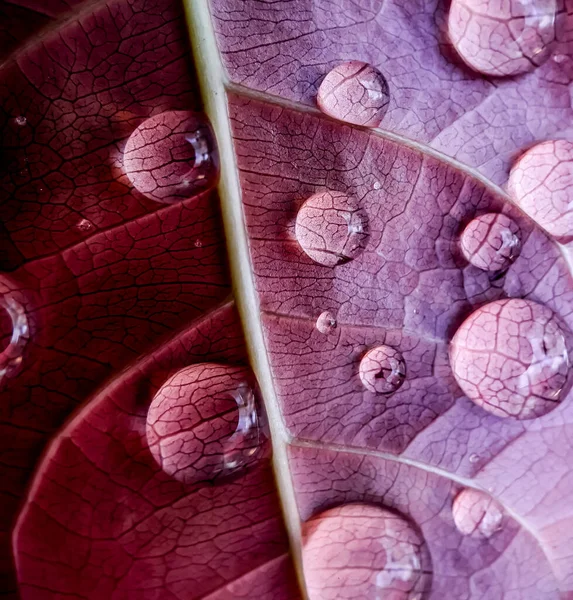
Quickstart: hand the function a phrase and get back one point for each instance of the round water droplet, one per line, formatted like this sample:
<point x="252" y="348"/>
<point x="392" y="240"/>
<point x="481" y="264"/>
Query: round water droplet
<point x="541" y="183"/>
<point x="382" y="370"/>
<point x="503" y="38"/>
<point x="20" y="120"/>
<point x="198" y="243"/>
<point x="85" y="225"/>
<point x="172" y="156"/>
<point x="204" y="424"/>
<point x="474" y="458"/>
<point x="377" y="185"/>
<point x="331" y="228"/>
<point x="14" y="331"/>
<point x="477" y="514"/>
<point x="362" y="551"/>
<point x="510" y="357"/>
<point x="326" y="322"/>
<point x="354" y="92"/>
<point x="491" y="242"/>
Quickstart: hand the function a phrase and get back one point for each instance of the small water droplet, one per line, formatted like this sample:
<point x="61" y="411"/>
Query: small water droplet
<point x="399" y="565"/>
<point x="172" y="156"/>
<point x="474" y="458"/>
<point x="382" y="370"/>
<point x="491" y="242"/>
<point x="326" y="322"/>
<point x="560" y="58"/>
<point x="20" y="120"/>
<point x="85" y="225"/>
<point x="354" y="92"/>
<point x="204" y="424"/>
<point x="14" y="330"/>
<point x="198" y="243"/>
<point x="503" y="39"/>
<point x="476" y="513"/>
<point x="331" y="228"/>
<point x="377" y="185"/>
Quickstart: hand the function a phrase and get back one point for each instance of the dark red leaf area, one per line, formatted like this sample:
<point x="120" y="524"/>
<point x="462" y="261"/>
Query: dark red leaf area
<point x="68" y="105"/>
<point x="102" y="519"/>
<point x="462" y="566"/>
<point x="286" y="48"/>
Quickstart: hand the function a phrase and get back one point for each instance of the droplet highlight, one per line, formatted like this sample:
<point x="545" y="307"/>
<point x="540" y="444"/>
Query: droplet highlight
<point x="541" y="184"/>
<point x="477" y="514"/>
<point x="331" y="228"/>
<point x="503" y="38"/>
<point x="172" y="156"/>
<point x="510" y="357"/>
<point x="354" y="92"/>
<point x="204" y="424"/>
<point x="491" y="242"/>
<point x="382" y="370"/>
<point x="368" y="552"/>
<point x="326" y="322"/>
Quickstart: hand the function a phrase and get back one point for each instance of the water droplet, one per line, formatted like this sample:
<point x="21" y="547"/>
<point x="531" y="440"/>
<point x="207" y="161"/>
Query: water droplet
<point x="85" y="225"/>
<point x="541" y="183"/>
<point x="339" y="539"/>
<point x="503" y="39"/>
<point x="204" y="424"/>
<point x="172" y="156"/>
<point x="510" y="357"/>
<point x="491" y="242"/>
<point x="354" y="92"/>
<point x="474" y="458"/>
<point x="198" y="243"/>
<point x="377" y="185"/>
<point x="20" y="120"/>
<point x="14" y="331"/>
<point x="382" y="370"/>
<point x="331" y="228"/>
<point x="326" y="322"/>
<point x="475" y="513"/>
<point x="560" y="58"/>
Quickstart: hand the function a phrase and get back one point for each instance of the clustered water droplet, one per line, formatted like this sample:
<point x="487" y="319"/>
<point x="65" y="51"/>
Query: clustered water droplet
<point x="204" y="424"/>
<point x="491" y="242"/>
<point x="476" y="513"/>
<point x="510" y="357"/>
<point x="382" y="370"/>
<point x="172" y="156"/>
<point x="331" y="228"/>
<point x="503" y="38"/>
<point x="371" y="552"/>
<point x="354" y="92"/>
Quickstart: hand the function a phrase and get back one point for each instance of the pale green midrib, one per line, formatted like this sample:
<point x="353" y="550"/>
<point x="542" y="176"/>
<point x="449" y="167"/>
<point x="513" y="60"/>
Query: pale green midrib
<point x="212" y="82"/>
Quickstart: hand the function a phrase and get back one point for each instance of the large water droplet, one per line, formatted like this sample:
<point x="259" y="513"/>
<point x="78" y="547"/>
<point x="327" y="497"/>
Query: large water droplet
<point x="491" y="242"/>
<point x="382" y="370"/>
<point x="503" y="38"/>
<point x="14" y="332"/>
<point x="331" y="228"/>
<point x="354" y="92"/>
<point x="326" y="322"/>
<point x="510" y="357"/>
<point x="475" y="513"/>
<point x="541" y="183"/>
<point x="172" y="156"/>
<point x="362" y="551"/>
<point x="204" y="424"/>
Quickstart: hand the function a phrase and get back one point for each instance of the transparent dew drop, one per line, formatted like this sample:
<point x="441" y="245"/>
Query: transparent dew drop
<point x="85" y="225"/>
<point x="474" y="458"/>
<point x="331" y="228"/>
<point x="20" y="120"/>
<point x="326" y="322"/>
<point x="382" y="370"/>
<point x="511" y="358"/>
<point x="172" y="156"/>
<point x="368" y="551"/>
<point x="205" y="424"/>
<point x="14" y="333"/>
<point x="491" y="242"/>
<point x="198" y="243"/>
<point x="354" y="92"/>
<point x="503" y="39"/>
<point x="477" y="514"/>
